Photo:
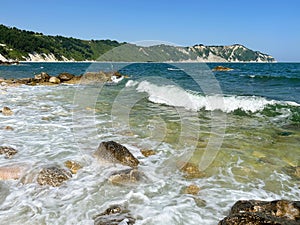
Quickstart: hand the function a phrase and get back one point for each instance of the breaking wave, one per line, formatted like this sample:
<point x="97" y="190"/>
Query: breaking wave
<point x="176" y="96"/>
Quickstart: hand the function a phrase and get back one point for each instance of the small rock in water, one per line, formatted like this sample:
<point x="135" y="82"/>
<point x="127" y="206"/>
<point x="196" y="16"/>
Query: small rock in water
<point x="192" y="171"/>
<point x="7" y="151"/>
<point x="114" y="215"/>
<point x="221" y="68"/>
<point x="73" y="166"/>
<point x="6" y="111"/>
<point x="191" y="189"/>
<point x="148" y="152"/>
<point x="53" y="176"/>
<point x="8" y="128"/>
<point x="125" y="177"/>
<point x="115" y="153"/>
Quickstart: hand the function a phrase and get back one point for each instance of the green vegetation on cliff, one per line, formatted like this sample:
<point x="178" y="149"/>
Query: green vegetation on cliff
<point x="16" y="44"/>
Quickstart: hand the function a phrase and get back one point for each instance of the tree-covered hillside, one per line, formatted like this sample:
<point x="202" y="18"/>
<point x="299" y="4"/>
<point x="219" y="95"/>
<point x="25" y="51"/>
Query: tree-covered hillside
<point x="16" y="44"/>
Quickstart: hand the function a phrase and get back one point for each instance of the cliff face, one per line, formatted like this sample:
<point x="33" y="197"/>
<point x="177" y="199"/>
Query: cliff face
<point x="23" y="45"/>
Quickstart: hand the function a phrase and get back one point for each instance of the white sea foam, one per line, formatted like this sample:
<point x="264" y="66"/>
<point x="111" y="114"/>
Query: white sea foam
<point x="176" y="96"/>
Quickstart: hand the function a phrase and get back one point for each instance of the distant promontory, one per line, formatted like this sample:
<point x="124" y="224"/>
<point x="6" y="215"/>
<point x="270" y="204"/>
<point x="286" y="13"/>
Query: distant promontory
<point x="22" y="45"/>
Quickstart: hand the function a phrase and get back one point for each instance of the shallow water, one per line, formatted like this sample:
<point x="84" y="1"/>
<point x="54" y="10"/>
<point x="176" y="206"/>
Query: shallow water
<point x="259" y="143"/>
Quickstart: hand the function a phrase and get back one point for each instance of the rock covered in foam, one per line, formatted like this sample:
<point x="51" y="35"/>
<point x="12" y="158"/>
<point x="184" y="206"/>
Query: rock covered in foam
<point x="6" y="111"/>
<point x="255" y="212"/>
<point x="8" y="151"/>
<point x="115" y="153"/>
<point x="114" y="215"/>
<point x="124" y="177"/>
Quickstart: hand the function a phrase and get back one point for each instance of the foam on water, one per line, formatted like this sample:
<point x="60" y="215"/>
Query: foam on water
<point x="176" y="96"/>
<point x="44" y="135"/>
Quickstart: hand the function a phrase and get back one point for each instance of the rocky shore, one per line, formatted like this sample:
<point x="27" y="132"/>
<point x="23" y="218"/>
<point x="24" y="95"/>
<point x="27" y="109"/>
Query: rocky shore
<point x="63" y="78"/>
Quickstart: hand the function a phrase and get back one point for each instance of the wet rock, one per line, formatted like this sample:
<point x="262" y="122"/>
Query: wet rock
<point x="7" y="111"/>
<point x="115" y="153"/>
<point x="65" y="76"/>
<point x="148" y="152"/>
<point x="191" y="171"/>
<point x="24" y="80"/>
<point x="42" y="77"/>
<point x="124" y="177"/>
<point x="255" y="212"/>
<point x="7" y="151"/>
<point x="191" y="189"/>
<point x="95" y="77"/>
<point x="221" y="68"/>
<point x="53" y="176"/>
<point x="114" y="215"/>
<point x="73" y="166"/>
<point x="54" y="80"/>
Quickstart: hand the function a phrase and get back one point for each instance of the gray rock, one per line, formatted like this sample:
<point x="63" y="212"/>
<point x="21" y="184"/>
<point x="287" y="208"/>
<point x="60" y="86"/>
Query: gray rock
<point x="114" y="215"/>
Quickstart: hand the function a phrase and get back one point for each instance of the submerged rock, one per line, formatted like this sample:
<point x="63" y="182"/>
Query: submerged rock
<point x="114" y="215"/>
<point x="125" y="177"/>
<point x="7" y="151"/>
<point x="148" y="152"/>
<point x="8" y="128"/>
<point x="53" y="176"/>
<point x="191" y="189"/>
<point x="255" y="212"/>
<point x="221" y="68"/>
<point x="73" y="166"/>
<point x="115" y="153"/>
<point x="7" y="111"/>
<point x="191" y="171"/>
<point x="11" y="172"/>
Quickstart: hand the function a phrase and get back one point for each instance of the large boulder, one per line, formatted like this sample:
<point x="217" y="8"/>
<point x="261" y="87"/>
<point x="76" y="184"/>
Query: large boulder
<point x="42" y="77"/>
<point x="115" y="153"/>
<point x="255" y="212"/>
<point x="7" y="151"/>
<point x="53" y="176"/>
<point x="65" y="76"/>
<point x="114" y="215"/>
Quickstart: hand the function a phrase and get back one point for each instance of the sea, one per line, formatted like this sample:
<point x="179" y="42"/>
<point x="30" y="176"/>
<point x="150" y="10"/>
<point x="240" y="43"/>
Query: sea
<point x="241" y="128"/>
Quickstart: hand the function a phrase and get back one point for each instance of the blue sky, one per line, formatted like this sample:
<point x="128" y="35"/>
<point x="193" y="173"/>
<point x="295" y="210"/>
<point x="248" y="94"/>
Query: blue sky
<point x="269" y="26"/>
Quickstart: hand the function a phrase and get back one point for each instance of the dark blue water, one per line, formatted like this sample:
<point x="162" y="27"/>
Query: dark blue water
<point x="278" y="81"/>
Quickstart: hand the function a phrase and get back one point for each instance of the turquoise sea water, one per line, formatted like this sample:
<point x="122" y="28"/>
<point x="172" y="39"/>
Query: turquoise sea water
<point x="241" y="127"/>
